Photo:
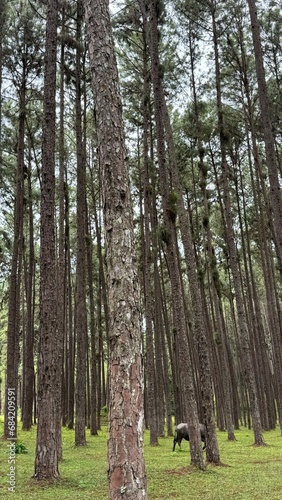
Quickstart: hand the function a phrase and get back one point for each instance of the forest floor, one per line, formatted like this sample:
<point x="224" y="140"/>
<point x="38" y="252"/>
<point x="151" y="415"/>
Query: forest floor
<point x="249" y="472"/>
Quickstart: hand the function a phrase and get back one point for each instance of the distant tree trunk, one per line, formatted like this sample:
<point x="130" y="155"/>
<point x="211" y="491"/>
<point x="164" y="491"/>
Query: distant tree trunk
<point x="215" y="293"/>
<point x="28" y="358"/>
<point x="70" y="354"/>
<point x="264" y="228"/>
<point x="93" y="369"/>
<point x="273" y="173"/>
<point x="62" y="261"/>
<point x="170" y="238"/>
<point x="15" y="276"/>
<point x="244" y="337"/>
<point x="126" y="467"/>
<point x="80" y="304"/>
<point x="148" y="252"/>
<point x="49" y="362"/>
<point x="101" y="300"/>
<point x="197" y="306"/>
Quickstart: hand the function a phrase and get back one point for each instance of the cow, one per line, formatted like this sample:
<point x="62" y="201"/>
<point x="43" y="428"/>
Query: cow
<point x="181" y="432"/>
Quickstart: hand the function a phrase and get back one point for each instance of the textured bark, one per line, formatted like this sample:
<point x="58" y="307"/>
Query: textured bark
<point x="80" y="303"/>
<point x="15" y="278"/>
<point x="126" y="467"/>
<point x="49" y="367"/>
<point x="62" y="262"/>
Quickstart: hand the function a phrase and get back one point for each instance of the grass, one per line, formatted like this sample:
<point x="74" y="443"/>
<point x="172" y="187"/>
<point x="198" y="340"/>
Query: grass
<point x="250" y="473"/>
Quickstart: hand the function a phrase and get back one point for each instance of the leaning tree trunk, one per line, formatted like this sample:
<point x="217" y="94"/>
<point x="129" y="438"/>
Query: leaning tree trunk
<point x="49" y="363"/>
<point x="126" y="466"/>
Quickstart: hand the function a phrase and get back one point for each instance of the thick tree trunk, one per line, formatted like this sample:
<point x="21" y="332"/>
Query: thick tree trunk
<point x="49" y="366"/>
<point x="126" y="467"/>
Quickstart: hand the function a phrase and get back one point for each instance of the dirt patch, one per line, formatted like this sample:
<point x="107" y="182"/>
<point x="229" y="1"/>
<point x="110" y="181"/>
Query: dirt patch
<point x="184" y="471"/>
<point x="180" y="472"/>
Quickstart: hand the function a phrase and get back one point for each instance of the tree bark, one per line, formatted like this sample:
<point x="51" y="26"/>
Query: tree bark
<point x="80" y="304"/>
<point x="49" y="366"/>
<point x="126" y="466"/>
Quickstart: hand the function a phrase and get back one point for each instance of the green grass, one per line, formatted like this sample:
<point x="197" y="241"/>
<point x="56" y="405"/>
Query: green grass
<point x="250" y="473"/>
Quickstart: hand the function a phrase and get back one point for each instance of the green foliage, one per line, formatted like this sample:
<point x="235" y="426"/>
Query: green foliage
<point x="173" y="198"/>
<point x="164" y="234"/>
<point x="21" y="447"/>
<point x="249" y="472"/>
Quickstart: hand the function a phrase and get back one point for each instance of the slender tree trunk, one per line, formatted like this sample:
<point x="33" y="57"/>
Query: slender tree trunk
<point x="11" y="394"/>
<point x="62" y="261"/>
<point x="126" y="467"/>
<point x="80" y="306"/>
<point x="147" y="260"/>
<point x="69" y="317"/>
<point x="28" y="358"/>
<point x="93" y="369"/>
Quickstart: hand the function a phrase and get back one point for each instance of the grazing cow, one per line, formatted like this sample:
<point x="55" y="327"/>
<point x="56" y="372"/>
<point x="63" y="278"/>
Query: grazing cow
<point x="181" y="432"/>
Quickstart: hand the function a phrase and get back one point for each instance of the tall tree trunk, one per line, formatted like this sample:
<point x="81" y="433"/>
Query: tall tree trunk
<point x="11" y="394"/>
<point x="244" y="337"/>
<point x="62" y="261"/>
<point x="197" y="305"/>
<point x="275" y="189"/>
<point x="219" y="319"/>
<point x="93" y="369"/>
<point x="170" y="237"/>
<point x="147" y="260"/>
<point x="28" y="358"/>
<point x="49" y="363"/>
<point x="126" y="466"/>
<point x="80" y="305"/>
